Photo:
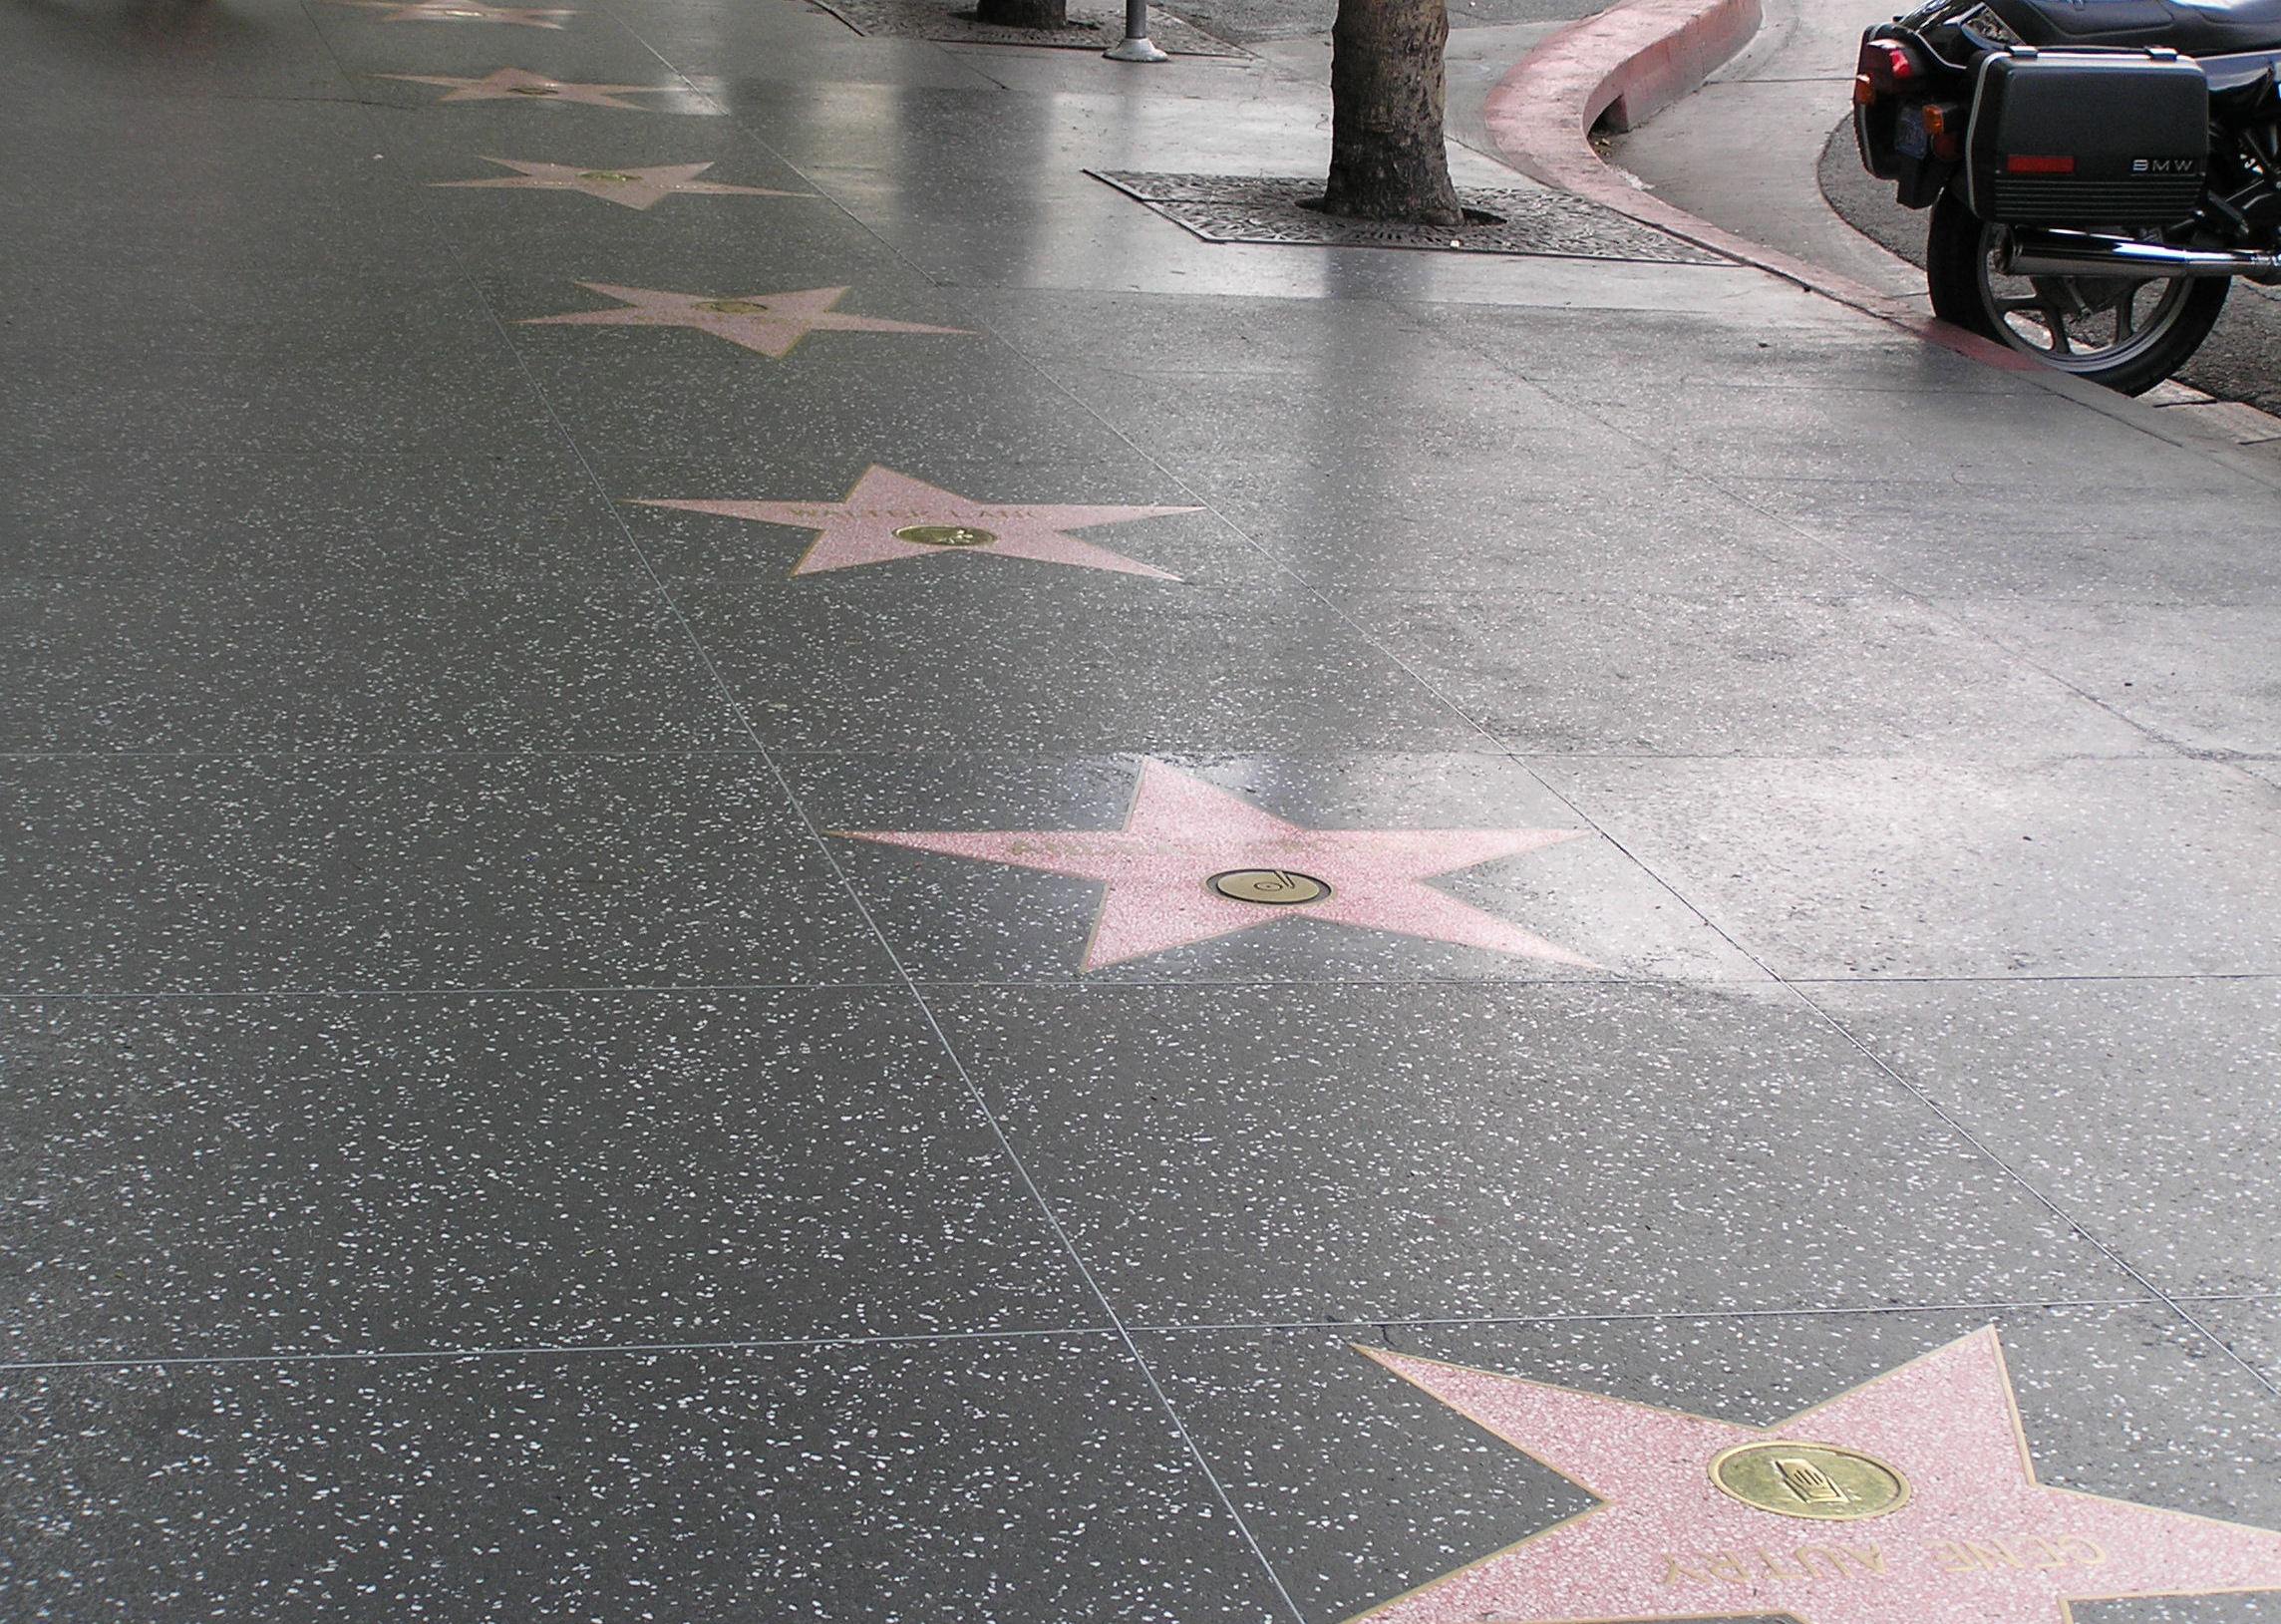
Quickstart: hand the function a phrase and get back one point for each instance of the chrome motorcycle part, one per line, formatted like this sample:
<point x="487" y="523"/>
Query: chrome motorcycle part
<point x="2082" y="253"/>
<point x="2126" y="332"/>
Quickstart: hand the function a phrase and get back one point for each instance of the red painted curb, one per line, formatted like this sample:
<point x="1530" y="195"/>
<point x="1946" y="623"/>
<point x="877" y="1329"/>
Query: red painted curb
<point x="1633" y="60"/>
<point x="1630" y="62"/>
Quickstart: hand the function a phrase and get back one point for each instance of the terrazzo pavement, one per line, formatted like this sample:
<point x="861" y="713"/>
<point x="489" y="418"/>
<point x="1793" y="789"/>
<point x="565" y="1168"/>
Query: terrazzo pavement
<point x="484" y="1144"/>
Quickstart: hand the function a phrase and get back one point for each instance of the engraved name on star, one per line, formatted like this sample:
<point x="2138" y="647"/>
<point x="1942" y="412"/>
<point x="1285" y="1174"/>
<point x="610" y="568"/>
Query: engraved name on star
<point x="1907" y="1500"/>
<point x="887" y="515"/>
<point x="1157" y="871"/>
<point x="631" y="188"/>
<point x="460" y="11"/>
<point x="767" y="323"/>
<point x="520" y="84"/>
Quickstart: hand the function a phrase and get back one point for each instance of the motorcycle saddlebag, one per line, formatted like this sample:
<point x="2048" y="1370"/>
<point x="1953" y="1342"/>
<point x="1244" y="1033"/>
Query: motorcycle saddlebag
<point x="2087" y="139"/>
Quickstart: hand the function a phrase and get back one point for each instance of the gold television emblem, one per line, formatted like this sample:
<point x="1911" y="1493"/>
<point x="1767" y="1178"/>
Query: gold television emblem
<point x="1810" y="1482"/>
<point x="1823" y="1482"/>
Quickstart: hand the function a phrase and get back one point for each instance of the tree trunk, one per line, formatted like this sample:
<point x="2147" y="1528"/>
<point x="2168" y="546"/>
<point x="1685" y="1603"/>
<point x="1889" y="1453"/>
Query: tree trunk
<point x="1024" y="13"/>
<point x="1387" y="87"/>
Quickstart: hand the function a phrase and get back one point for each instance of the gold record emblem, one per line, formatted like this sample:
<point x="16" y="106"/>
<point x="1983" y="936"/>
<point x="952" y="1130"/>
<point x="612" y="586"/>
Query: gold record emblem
<point x="1279" y="888"/>
<point x="945" y="536"/>
<point x="613" y="175"/>
<point x="1818" y="1482"/>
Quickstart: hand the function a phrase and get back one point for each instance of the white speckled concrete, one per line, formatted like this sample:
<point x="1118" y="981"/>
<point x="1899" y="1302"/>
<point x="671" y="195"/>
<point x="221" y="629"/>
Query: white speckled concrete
<point x="482" y="1145"/>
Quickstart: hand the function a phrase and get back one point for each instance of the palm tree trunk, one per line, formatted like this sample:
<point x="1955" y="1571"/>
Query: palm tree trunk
<point x="1387" y="162"/>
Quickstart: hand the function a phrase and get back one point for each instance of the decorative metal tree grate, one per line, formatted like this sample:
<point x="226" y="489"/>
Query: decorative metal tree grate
<point x="1267" y="208"/>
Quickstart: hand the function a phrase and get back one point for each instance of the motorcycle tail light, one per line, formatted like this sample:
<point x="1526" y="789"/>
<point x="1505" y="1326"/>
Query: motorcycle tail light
<point x="2038" y="163"/>
<point x="1885" y="65"/>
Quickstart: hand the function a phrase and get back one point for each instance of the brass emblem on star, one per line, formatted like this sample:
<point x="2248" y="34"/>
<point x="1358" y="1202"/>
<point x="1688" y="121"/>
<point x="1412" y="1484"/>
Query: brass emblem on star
<point x="731" y="307"/>
<point x="1818" y="1482"/>
<point x="533" y="89"/>
<point x="945" y="536"/>
<point x="1279" y="887"/>
<point x="615" y="176"/>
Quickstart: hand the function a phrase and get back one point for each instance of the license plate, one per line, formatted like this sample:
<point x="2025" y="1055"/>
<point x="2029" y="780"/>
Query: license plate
<point x="1909" y="134"/>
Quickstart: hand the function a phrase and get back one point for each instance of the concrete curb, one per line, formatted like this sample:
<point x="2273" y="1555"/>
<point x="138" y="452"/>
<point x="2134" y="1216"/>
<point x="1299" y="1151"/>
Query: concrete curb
<point x="1630" y="62"/>
<point x="1640" y="56"/>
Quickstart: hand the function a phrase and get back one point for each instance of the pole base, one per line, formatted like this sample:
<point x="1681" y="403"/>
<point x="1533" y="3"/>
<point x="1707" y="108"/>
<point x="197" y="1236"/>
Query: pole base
<point x="1137" y="49"/>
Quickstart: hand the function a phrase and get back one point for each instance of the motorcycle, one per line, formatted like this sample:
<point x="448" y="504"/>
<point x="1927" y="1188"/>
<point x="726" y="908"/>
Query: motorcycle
<point x="2097" y="170"/>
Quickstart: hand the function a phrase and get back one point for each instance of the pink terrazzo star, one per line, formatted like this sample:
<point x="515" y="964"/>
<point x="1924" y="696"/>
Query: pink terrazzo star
<point x="460" y="11"/>
<point x="1181" y="831"/>
<point x="879" y="514"/>
<point x="1977" y="1537"/>
<point x="634" y="189"/>
<point x="769" y="323"/>
<point x="511" y="83"/>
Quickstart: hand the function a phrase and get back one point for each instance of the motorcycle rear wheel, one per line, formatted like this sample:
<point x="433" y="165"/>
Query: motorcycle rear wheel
<point x="2126" y="333"/>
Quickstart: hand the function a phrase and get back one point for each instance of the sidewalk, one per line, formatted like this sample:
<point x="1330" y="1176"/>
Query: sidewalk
<point x="761" y="861"/>
<point x="1780" y="95"/>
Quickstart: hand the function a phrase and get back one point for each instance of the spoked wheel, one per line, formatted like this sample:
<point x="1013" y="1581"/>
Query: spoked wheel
<point x="2129" y="333"/>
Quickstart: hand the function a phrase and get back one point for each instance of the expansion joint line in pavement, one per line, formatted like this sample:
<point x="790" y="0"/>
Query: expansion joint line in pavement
<point x="1820" y="1014"/>
<point x="1383" y="1328"/>
<point x="1956" y="1125"/>
<point x="1797" y="990"/>
<point x="1101" y="989"/>
<point x="1020" y="1168"/>
<point x="696" y="88"/>
<point x="1115" y="1330"/>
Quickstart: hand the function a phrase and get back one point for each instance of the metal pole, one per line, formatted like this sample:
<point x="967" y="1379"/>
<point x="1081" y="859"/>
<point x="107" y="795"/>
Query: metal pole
<point x="1136" y="47"/>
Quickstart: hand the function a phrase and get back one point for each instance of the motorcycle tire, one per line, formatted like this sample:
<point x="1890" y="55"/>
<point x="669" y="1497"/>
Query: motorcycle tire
<point x="2139" y="332"/>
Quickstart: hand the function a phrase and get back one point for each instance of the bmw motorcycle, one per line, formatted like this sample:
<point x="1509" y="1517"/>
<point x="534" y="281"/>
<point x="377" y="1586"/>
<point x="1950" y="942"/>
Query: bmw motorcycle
<point x="2097" y="170"/>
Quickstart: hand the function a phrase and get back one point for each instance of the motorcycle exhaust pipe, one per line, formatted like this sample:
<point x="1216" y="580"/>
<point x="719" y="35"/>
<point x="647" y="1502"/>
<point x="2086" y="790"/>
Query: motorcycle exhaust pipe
<point x="2078" y="254"/>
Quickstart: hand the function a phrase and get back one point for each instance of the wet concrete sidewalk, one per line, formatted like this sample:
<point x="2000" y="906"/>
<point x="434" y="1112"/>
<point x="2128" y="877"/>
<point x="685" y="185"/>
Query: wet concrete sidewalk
<point x="763" y="861"/>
